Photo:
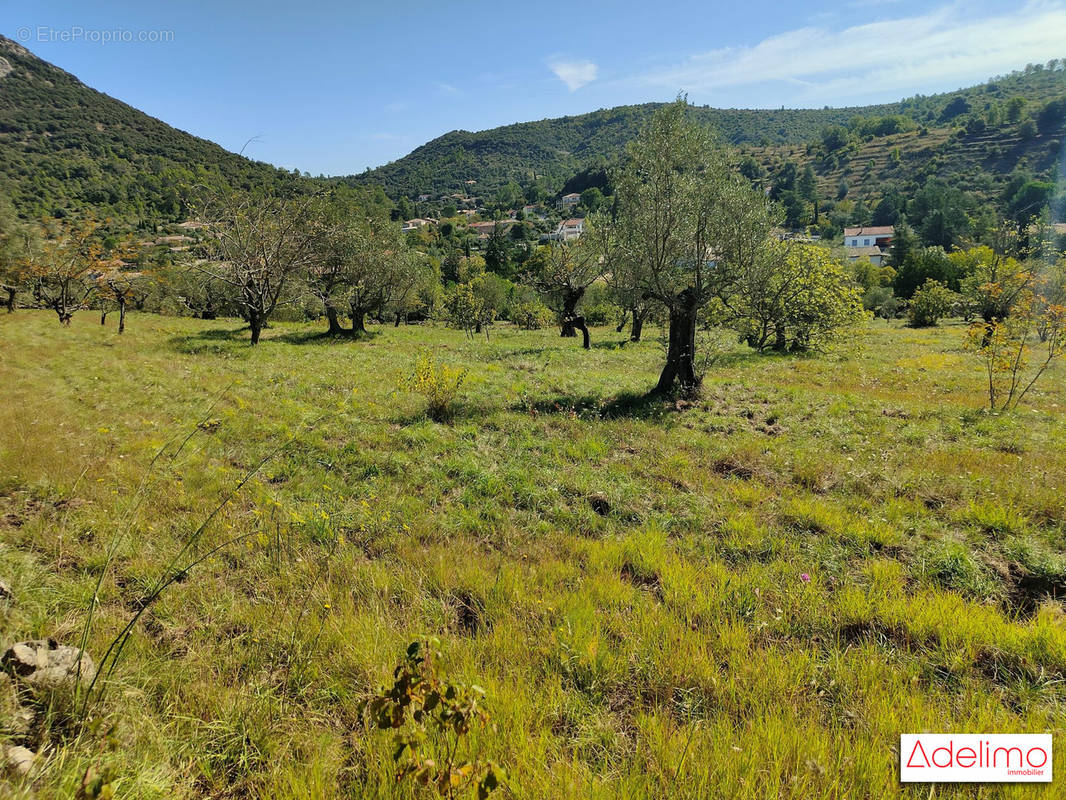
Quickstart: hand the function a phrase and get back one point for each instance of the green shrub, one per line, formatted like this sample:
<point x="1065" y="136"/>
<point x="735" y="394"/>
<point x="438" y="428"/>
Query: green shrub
<point x="439" y="384"/>
<point x="929" y="304"/>
<point x="531" y="315"/>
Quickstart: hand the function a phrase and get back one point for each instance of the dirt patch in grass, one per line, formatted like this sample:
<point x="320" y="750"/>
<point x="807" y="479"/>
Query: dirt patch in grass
<point x="879" y="633"/>
<point x="642" y="578"/>
<point x="1027" y="590"/>
<point x="469" y="613"/>
<point x="735" y="465"/>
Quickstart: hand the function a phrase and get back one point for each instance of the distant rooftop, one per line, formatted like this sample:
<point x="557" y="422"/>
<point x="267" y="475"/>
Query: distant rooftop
<point x="875" y="230"/>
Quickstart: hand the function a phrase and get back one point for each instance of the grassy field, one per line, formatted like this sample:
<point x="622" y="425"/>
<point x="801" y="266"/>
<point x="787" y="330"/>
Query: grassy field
<point x="665" y="643"/>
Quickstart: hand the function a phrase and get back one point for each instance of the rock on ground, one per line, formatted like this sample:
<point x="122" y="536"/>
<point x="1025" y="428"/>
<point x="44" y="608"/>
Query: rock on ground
<point x="19" y="760"/>
<point x="44" y="664"/>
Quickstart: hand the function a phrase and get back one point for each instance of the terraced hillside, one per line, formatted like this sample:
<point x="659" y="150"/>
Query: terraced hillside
<point x="553" y="150"/>
<point x="981" y="164"/>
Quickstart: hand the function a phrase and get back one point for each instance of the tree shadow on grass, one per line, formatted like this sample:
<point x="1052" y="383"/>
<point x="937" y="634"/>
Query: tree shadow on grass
<point x="625" y="405"/>
<point x="325" y="337"/>
<point x="504" y="354"/>
<point x="463" y="411"/>
<point x="229" y="341"/>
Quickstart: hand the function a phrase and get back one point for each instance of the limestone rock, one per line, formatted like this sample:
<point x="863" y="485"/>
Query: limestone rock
<point x="20" y="760"/>
<point x="45" y="665"/>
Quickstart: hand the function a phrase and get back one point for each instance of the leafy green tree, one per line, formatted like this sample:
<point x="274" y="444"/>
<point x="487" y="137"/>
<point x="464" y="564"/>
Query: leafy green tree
<point x="562" y="272"/>
<point x="259" y="244"/>
<point x="509" y="195"/>
<point x="929" y="304"/>
<point x="834" y="138"/>
<point x="1025" y="198"/>
<point x="592" y="200"/>
<point x="784" y="179"/>
<point x="1051" y="115"/>
<point x="498" y="250"/>
<point x="955" y="107"/>
<point x="807" y="185"/>
<point x="888" y="210"/>
<point x="920" y="265"/>
<point x="795" y="298"/>
<point x="751" y="169"/>
<point x="860" y="214"/>
<point x="940" y="214"/>
<point x="1015" y="107"/>
<point x="685" y="223"/>
<point x="376" y="266"/>
<point x="476" y="301"/>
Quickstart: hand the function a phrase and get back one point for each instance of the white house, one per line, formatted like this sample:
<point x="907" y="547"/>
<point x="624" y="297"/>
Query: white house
<point x="868" y="242"/>
<point x="415" y="224"/>
<point x="571" y="199"/>
<point x="877" y="236"/>
<point x="876" y="255"/>
<point x="570" y="229"/>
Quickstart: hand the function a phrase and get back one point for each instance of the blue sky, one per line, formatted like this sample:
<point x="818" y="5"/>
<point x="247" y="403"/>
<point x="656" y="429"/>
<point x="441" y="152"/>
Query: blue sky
<point x="334" y="87"/>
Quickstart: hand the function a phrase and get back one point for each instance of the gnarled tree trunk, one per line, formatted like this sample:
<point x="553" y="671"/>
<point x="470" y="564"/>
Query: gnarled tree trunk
<point x="578" y="323"/>
<point x="680" y="367"/>
<point x="335" y="328"/>
<point x="570" y="300"/>
<point x="638" y="326"/>
<point x="358" y="321"/>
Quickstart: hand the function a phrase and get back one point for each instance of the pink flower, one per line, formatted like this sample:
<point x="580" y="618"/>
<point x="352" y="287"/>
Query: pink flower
<point x="805" y="577"/>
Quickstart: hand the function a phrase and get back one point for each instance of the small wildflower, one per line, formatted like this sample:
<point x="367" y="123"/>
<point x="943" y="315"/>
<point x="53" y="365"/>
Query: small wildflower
<point x="806" y="578"/>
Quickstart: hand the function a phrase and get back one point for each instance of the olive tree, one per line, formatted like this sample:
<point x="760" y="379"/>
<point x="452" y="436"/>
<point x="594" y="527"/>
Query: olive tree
<point x="562" y="272"/>
<point x="684" y="223"/>
<point x="363" y="267"/>
<point x="257" y="244"/>
<point x="63" y="277"/>
<point x="17" y="244"/>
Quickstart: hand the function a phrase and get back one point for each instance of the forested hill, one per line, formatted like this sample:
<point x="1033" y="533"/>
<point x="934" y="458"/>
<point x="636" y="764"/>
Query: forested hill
<point x="65" y="148"/>
<point x="550" y="151"/>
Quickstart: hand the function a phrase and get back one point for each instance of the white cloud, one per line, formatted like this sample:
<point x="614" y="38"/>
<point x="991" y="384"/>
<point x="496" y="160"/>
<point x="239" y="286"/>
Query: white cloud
<point x="943" y="45"/>
<point x="448" y="89"/>
<point x="574" y="74"/>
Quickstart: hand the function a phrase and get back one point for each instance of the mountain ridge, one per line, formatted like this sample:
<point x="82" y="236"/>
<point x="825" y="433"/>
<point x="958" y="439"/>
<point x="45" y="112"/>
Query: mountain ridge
<point x="66" y="148"/>
<point x="556" y="148"/>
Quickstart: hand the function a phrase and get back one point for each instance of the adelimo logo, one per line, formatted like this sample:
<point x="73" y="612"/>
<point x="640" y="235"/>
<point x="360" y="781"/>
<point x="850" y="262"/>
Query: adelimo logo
<point x="975" y="758"/>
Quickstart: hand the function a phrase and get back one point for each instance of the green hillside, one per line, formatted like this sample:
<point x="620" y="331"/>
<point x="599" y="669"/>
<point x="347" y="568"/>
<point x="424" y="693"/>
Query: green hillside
<point x="65" y="147"/>
<point x="552" y="150"/>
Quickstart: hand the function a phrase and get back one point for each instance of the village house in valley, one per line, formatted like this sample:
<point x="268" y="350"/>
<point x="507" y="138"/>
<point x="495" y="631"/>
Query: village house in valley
<point x="868" y="242"/>
<point x="415" y="224"/>
<point x="566" y="231"/>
